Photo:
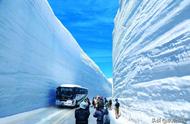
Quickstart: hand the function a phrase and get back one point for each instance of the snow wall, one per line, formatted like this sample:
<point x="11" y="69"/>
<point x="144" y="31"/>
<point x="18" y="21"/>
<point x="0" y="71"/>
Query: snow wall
<point x="151" y="59"/>
<point x="37" y="53"/>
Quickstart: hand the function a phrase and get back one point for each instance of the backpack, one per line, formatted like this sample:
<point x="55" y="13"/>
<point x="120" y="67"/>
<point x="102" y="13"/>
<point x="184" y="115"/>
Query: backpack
<point x="106" y="119"/>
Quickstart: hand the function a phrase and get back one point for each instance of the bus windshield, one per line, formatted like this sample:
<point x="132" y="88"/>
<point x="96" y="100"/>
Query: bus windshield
<point x="65" y="92"/>
<point x="68" y="95"/>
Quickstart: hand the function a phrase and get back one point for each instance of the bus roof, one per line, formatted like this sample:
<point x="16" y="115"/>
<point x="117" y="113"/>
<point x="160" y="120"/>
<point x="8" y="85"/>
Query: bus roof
<point x="71" y="85"/>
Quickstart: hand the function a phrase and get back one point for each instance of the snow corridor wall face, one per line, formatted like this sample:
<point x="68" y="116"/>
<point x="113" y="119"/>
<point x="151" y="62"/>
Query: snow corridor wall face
<point x="151" y="54"/>
<point x="37" y="54"/>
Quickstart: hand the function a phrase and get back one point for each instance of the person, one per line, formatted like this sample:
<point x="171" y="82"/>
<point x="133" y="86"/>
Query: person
<point x="106" y="119"/>
<point x="93" y="102"/>
<point x="101" y="102"/>
<point x="88" y="103"/>
<point x="117" y="105"/>
<point x="99" y="114"/>
<point x="97" y="101"/>
<point x="105" y="102"/>
<point x="110" y="104"/>
<point x="82" y="114"/>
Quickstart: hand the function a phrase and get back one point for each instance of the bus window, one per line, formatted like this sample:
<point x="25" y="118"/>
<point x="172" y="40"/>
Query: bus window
<point x="65" y="92"/>
<point x="70" y="96"/>
<point x="77" y="91"/>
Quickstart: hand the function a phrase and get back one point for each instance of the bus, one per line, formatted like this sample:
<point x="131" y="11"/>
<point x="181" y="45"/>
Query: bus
<point x="68" y="95"/>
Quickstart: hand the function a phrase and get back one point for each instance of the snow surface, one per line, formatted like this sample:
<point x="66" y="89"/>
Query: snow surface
<point x="110" y="80"/>
<point x="70" y="85"/>
<point x="151" y="59"/>
<point x="37" y="53"/>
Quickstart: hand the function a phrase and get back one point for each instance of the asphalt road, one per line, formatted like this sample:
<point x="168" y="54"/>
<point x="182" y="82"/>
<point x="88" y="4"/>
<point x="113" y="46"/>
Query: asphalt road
<point x="50" y="115"/>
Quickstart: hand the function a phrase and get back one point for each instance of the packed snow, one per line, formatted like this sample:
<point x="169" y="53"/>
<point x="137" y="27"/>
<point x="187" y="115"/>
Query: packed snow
<point x="110" y="80"/>
<point x="151" y="60"/>
<point x="37" y="53"/>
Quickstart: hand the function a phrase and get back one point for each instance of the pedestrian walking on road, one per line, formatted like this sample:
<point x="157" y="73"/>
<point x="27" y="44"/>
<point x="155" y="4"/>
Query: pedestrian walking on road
<point x="82" y="114"/>
<point x="117" y="112"/>
<point x="110" y="104"/>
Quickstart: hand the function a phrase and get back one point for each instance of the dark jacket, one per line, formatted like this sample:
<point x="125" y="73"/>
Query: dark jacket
<point x="99" y="114"/>
<point x="81" y="116"/>
<point x="106" y="119"/>
<point x="117" y="105"/>
<point x="88" y="107"/>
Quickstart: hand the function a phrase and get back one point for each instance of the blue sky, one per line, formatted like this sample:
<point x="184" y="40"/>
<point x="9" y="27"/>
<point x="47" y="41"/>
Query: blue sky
<point x="91" y="23"/>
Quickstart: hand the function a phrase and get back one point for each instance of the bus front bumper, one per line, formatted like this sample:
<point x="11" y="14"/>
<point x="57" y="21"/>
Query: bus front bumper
<point x="68" y="103"/>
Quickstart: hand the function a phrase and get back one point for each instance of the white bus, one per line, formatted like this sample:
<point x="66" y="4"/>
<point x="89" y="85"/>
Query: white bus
<point x="70" y="95"/>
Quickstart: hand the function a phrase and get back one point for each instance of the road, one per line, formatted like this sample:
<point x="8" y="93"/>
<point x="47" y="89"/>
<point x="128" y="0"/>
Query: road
<point x="50" y="115"/>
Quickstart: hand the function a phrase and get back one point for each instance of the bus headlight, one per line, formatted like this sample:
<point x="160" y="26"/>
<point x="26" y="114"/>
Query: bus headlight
<point x="69" y="101"/>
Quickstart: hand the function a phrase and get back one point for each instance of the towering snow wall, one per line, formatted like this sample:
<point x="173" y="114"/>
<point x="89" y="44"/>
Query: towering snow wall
<point x="151" y="59"/>
<point x="37" y="53"/>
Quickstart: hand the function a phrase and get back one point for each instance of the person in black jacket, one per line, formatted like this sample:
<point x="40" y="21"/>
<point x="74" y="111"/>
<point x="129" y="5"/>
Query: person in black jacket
<point x="82" y="114"/>
<point x="117" y="105"/>
<point x="110" y="104"/>
<point x="88" y="103"/>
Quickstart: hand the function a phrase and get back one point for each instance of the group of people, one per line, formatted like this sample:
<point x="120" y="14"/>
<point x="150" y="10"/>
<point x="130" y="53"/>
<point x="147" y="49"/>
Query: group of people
<point x="101" y="106"/>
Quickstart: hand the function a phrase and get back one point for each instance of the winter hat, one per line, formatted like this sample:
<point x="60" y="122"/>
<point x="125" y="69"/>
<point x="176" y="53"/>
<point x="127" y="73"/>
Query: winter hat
<point x="83" y="105"/>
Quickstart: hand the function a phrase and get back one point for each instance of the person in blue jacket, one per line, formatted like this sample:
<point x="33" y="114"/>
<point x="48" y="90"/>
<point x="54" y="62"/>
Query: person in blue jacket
<point x="100" y="113"/>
